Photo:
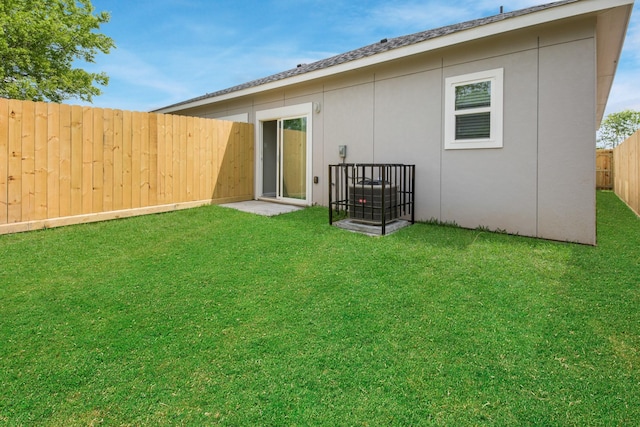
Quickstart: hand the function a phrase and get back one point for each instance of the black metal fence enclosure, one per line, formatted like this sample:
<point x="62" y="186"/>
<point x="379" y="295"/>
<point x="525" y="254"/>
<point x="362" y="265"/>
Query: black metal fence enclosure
<point x="371" y="193"/>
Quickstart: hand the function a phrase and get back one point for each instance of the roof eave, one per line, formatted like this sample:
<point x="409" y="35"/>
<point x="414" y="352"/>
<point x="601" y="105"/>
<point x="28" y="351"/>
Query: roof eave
<point x="611" y="30"/>
<point x="487" y="30"/>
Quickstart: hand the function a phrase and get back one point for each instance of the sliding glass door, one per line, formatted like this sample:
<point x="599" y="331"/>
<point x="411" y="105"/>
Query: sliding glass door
<point x="283" y="148"/>
<point x="292" y="158"/>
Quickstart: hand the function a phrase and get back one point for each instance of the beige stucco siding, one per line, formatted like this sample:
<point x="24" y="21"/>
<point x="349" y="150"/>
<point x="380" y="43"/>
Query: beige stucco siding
<point x="348" y="119"/>
<point x="566" y="178"/>
<point x="407" y="130"/>
<point x="540" y="183"/>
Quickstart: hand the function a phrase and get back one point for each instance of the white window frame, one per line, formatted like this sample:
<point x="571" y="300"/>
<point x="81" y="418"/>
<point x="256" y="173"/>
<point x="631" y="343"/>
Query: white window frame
<point x="496" y="77"/>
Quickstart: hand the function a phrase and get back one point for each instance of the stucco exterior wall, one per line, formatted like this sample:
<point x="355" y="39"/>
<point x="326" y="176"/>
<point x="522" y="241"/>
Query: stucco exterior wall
<point x="566" y="196"/>
<point x="541" y="183"/>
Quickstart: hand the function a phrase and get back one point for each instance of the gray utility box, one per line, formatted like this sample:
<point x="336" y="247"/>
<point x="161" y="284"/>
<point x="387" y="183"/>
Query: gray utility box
<point x="365" y="201"/>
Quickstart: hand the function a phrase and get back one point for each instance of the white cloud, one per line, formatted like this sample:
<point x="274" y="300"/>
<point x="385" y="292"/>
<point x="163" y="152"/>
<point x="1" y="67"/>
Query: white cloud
<point x="132" y="79"/>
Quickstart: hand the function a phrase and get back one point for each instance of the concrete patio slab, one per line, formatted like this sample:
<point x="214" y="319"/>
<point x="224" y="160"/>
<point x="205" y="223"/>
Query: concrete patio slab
<point x="260" y="207"/>
<point x="371" y="230"/>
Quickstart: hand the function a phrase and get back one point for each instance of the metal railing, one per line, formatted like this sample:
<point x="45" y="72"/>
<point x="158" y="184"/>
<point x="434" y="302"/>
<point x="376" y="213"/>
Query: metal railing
<point x="371" y="193"/>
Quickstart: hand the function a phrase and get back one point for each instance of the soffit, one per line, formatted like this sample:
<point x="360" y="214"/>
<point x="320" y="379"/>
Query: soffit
<point x="611" y="29"/>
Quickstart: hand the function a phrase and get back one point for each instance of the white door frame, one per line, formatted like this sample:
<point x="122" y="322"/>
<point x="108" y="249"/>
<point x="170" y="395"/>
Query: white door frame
<point x="292" y="111"/>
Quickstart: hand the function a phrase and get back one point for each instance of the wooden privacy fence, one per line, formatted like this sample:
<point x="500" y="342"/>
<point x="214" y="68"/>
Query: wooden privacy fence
<point x="63" y="164"/>
<point x="626" y="164"/>
<point x="604" y="169"/>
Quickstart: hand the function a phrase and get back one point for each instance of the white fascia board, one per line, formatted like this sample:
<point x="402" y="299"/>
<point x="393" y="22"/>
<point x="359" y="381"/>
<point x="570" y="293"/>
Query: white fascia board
<point x="535" y="18"/>
<point x="611" y="32"/>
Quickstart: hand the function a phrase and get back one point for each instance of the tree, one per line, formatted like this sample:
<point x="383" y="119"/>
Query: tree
<point x="617" y="127"/>
<point x="40" y="42"/>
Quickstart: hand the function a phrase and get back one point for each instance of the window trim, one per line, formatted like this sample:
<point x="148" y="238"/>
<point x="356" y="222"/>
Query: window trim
<point x="495" y="140"/>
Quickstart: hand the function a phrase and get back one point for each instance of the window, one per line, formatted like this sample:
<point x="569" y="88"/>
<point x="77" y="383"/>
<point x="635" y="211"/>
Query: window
<point x="473" y="110"/>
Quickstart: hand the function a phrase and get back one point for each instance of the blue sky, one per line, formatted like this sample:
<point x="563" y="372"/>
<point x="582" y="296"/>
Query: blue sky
<point x="172" y="50"/>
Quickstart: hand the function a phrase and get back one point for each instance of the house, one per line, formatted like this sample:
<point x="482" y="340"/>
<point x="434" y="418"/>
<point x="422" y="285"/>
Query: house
<point x="498" y="114"/>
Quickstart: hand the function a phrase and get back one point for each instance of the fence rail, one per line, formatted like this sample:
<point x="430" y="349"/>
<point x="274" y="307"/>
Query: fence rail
<point x="626" y="163"/>
<point x="62" y="164"/>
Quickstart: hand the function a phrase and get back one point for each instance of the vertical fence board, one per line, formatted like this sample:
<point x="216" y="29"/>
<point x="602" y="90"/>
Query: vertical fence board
<point x="637" y="166"/>
<point x="242" y="160"/>
<point x="182" y="150"/>
<point x="107" y="146"/>
<point x="98" y="161"/>
<point x="232" y="174"/>
<point x="4" y="158"/>
<point x="617" y="183"/>
<point x="144" y="160"/>
<point x="223" y="153"/>
<point x="634" y="173"/>
<point x="168" y="159"/>
<point x="28" y="160"/>
<point x="219" y="156"/>
<point x="127" y="151"/>
<point x="117" y="160"/>
<point x="160" y="158"/>
<point x="242" y="182"/>
<point x="14" y="173"/>
<point x="176" y="149"/>
<point x="206" y="132"/>
<point x="223" y="170"/>
<point x="246" y="161"/>
<point x="159" y="166"/>
<point x="215" y="165"/>
<point x="625" y="161"/>
<point x="136" y="147"/>
<point x="189" y="169"/>
<point x="236" y="157"/>
<point x="604" y="169"/>
<point x="251" y="156"/>
<point x="87" y="160"/>
<point x="239" y="156"/>
<point x="41" y="154"/>
<point x="196" y="159"/>
<point x="628" y="161"/>
<point x="153" y="159"/>
<point x="623" y="170"/>
<point x="77" y="160"/>
<point x="53" y="161"/>
<point x="202" y="160"/>
<point x="65" y="160"/>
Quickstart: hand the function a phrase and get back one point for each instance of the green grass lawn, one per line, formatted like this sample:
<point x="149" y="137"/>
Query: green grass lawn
<point x="212" y="316"/>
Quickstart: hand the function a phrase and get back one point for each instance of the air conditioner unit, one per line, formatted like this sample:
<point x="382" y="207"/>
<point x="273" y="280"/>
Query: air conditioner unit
<point x="366" y="201"/>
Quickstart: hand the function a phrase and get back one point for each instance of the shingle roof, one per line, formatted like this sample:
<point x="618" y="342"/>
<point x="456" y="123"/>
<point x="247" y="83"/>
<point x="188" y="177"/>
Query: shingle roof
<point x="373" y="49"/>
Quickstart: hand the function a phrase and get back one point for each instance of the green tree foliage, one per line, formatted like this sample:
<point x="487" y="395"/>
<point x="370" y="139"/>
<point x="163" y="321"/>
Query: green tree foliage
<point x="617" y="127"/>
<point x="40" y="42"/>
